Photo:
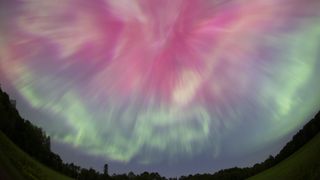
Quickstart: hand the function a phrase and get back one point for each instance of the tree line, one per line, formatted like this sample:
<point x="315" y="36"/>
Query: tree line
<point x="34" y="141"/>
<point x="309" y="130"/>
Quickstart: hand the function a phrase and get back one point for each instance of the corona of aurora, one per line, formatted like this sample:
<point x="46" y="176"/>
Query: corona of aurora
<point x="158" y="80"/>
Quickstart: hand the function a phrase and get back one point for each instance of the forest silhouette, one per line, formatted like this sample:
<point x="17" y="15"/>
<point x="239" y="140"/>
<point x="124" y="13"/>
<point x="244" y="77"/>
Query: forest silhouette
<point x="35" y="142"/>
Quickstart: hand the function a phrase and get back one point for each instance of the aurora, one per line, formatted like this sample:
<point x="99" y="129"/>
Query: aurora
<point x="155" y="82"/>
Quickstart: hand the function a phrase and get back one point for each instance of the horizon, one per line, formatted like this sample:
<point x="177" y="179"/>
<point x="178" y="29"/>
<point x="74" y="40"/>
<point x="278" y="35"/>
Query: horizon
<point x="163" y="87"/>
<point x="308" y="131"/>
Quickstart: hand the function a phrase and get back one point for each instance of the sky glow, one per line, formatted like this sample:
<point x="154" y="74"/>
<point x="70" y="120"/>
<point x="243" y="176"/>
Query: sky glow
<point x="152" y="81"/>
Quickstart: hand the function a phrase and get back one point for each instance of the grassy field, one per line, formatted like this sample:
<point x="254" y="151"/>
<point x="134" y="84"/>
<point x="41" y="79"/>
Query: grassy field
<point x="16" y="164"/>
<point x="303" y="164"/>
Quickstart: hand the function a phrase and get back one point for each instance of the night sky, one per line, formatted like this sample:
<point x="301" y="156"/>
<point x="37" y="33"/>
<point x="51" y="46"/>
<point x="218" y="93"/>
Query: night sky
<point x="173" y="86"/>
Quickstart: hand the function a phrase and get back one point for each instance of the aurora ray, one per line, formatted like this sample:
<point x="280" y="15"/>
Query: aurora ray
<point x="130" y="79"/>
